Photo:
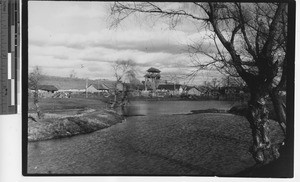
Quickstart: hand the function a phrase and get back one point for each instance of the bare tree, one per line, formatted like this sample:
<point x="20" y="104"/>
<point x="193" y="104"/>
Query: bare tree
<point x="123" y="69"/>
<point x="255" y="47"/>
<point x="215" y="83"/>
<point x="34" y="81"/>
<point x="231" y="81"/>
<point x="174" y="77"/>
<point x="131" y="79"/>
<point x="72" y="74"/>
<point x="249" y="41"/>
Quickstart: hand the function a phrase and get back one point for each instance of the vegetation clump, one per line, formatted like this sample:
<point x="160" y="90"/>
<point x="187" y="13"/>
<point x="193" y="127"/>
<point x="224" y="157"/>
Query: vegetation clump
<point x="54" y="126"/>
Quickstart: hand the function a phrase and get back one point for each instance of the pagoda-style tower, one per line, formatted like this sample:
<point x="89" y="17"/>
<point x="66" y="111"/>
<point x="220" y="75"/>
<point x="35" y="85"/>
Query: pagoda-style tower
<point x="152" y="76"/>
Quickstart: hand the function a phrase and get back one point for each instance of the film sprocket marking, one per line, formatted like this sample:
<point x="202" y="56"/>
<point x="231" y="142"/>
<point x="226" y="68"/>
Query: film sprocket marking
<point x="9" y="56"/>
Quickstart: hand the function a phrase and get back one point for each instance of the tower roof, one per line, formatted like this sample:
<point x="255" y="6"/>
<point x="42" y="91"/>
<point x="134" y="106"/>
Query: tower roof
<point x="153" y="70"/>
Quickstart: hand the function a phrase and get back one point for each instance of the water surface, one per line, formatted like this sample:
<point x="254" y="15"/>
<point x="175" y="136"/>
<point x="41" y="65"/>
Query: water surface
<point x="156" y="144"/>
<point x="173" y="107"/>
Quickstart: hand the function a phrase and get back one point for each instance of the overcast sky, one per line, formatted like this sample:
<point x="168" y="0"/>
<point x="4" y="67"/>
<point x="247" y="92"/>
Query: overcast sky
<point x="66" y="36"/>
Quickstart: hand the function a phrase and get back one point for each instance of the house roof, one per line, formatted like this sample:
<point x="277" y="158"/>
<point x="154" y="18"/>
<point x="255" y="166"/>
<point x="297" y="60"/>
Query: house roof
<point x="168" y="86"/>
<point x="186" y="87"/>
<point x="100" y="86"/>
<point x="64" y="83"/>
<point x="47" y="87"/>
<point x="108" y="84"/>
<point x="190" y="88"/>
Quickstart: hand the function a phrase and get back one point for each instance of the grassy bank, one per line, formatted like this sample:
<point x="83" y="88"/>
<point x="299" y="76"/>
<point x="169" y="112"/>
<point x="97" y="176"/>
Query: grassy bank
<point x="69" y="117"/>
<point x="57" y="125"/>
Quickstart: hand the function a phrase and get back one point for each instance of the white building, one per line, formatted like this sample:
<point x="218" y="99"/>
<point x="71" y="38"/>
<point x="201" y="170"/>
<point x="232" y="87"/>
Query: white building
<point x="194" y="91"/>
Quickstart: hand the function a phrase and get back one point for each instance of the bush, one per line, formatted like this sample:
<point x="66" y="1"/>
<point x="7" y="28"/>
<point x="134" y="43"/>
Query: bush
<point x="241" y="110"/>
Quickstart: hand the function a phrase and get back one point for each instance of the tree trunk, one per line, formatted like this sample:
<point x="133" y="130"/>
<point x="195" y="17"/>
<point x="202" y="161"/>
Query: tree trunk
<point x="36" y="103"/>
<point x="279" y="109"/>
<point x="113" y="105"/>
<point x="38" y="111"/>
<point x="123" y="102"/>
<point x="263" y="150"/>
<point x="124" y="99"/>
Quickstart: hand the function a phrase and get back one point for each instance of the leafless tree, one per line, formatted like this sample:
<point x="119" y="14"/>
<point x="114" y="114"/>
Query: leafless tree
<point x="34" y="81"/>
<point x="231" y="81"/>
<point x="174" y="77"/>
<point x="72" y="74"/>
<point x="123" y="69"/>
<point x="250" y="41"/>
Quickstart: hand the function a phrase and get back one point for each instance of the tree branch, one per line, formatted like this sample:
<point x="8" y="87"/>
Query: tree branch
<point x="235" y="30"/>
<point x="242" y="23"/>
<point x="248" y="77"/>
<point x="119" y="7"/>
<point x="267" y="48"/>
<point x="282" y="81"/>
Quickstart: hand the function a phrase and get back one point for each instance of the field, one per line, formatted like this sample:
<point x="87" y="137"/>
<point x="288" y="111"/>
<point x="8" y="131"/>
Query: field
<point x="53" y="105"/>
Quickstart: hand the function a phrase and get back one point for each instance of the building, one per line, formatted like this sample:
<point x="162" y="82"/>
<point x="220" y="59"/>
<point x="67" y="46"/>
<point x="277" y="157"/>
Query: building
<point x="152" y="76"/>
<point x="97" y="88"/>
<point x="194" y="91"/>
<point x="45" y="88"/>
<point x="48" y="88"/>
<point x="174" y="89"/>
<point x="68" y="84"/>
<point x="91" y="89"/>
<point x="44" y="91"/>
<point x="102" y="87"/>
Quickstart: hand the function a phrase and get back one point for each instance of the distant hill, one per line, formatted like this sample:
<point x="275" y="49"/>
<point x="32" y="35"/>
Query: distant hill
<point x="66" y="83"/>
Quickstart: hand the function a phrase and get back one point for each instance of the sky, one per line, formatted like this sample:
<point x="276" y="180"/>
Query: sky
<point x="66" y="37"/>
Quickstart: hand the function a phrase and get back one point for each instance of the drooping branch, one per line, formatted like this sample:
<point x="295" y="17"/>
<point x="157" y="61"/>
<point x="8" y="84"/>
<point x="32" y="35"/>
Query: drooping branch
<point x="149" y="8"/>
<point x="236" y="60"/>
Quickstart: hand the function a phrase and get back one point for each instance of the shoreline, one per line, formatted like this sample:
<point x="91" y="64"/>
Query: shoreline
<point x="54" y="126"/>
<point x="83" y="121"/>
<point x="177" y="98"/>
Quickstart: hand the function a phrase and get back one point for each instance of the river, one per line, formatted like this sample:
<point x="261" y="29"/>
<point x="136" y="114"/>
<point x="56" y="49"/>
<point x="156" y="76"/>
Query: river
<point x="157" y="143"/>
<point x="173" y="107"/>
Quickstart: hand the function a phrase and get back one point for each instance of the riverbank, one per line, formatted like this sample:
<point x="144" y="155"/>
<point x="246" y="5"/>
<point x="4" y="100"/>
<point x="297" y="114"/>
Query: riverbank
<point x="75" y="122"/>
<point x="182" y="98"/>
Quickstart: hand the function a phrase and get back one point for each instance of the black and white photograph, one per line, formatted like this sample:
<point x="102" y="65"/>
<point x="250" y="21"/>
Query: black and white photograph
<point x="158" y="89"/>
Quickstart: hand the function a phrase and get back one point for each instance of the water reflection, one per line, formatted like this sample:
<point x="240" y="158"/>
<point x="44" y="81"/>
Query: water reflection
<point x="143" y="108"/>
